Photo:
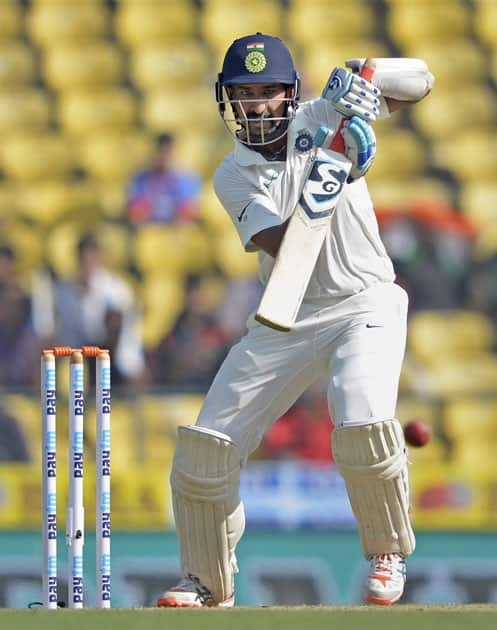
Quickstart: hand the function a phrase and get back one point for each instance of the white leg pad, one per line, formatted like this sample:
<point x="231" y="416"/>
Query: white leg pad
<point x="210" y="519"/>
<point x="373" y="463"/>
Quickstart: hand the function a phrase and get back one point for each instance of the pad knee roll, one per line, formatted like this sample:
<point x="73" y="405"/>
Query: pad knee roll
<point x="209" y="514"/>
<point x="373" y="462"/>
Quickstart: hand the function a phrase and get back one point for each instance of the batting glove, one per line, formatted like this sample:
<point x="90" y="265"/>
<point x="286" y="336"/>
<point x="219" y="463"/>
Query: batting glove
<point x="360" y="146"/>
<point x="352" y="95"/>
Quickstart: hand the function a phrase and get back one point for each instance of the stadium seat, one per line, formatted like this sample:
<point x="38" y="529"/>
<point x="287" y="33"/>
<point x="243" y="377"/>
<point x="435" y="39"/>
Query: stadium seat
<point x="162" y="297"/>
<point x="36" y="156"/>
<point x="445" y="112"/>
<point x="466" y="416"/>
<point x="173" y="110"/>
<point x="223" y="22"/>
<point x="468" y="63"/>
<point x="202" y="152"/>
<point x="83" y="112"/>
<point x="231" y="257"/>
<point x="150" y="23"/>
<point x="24" y="110"/>
<point x="308" y="21"/>
<point x="72" y="66"/>
<point x="114" y="156"/>
<point x="179" y="248"/>
<point x="441" y="21"/>
<point x="470" y="155"/>
<point x="172" y="65"/>
<point x="47" y="201"/>
<point x="18" y="65"/>
<point x="484" y="21"/>
<point x="403" y="192"/>
<point x="316" y="63"/>
<point x="436" y="336"/>
<point x="213" y="215"/>
<point x="10" y="19"/>
<point x="400" y="154"/>
<point x="24" y="239"/>
<point x="115" y="241"/>
<point x="479" y="202"/>
<point x="63" y="22"/>
<point x="26" y="410"/>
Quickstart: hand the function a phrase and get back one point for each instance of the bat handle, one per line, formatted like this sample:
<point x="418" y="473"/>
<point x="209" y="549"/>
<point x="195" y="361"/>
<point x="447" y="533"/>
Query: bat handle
<point x="338" y="144"/>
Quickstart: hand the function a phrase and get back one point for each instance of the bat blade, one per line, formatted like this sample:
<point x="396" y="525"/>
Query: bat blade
<point x="303" y="241"/>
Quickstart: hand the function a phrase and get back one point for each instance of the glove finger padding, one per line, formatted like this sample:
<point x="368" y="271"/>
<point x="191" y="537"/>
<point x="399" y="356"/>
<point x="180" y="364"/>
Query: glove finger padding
<point x="352" y="95"/>
<point x="360" y="146"/>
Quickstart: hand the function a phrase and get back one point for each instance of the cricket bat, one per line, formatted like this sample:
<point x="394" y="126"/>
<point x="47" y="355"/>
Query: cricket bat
<point x="299" y="250"/>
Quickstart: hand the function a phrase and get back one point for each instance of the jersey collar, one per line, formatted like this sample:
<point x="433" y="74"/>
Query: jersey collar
<point x="247" y="157"/>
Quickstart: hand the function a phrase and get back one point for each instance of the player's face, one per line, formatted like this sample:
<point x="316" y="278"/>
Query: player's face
<point x="260" y="108"/>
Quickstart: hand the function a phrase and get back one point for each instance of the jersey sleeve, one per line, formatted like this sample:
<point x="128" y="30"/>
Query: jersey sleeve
<point x="250" y="209"/>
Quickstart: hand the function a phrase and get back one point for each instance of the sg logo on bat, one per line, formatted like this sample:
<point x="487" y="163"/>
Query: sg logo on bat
<point x="323" y="186"/>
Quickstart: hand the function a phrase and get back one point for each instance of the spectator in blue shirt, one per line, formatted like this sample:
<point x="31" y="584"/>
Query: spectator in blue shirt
<point x="162" y="193"/>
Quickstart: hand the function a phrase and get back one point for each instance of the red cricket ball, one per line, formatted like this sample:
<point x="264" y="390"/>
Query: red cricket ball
<point x="417" y="433"/>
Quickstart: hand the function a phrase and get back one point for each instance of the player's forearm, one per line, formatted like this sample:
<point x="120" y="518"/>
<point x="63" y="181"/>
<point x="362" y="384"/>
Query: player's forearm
<point x="269" y="240"/>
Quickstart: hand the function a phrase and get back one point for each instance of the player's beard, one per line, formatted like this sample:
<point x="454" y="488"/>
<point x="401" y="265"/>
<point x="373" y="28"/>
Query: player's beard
<point x="263" y="129"/>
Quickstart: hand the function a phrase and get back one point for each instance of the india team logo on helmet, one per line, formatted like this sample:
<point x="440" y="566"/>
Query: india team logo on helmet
<point x="255" y="61"/>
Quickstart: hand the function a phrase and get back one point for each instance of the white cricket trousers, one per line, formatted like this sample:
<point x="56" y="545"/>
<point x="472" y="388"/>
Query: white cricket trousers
<point x="358" y="341"/>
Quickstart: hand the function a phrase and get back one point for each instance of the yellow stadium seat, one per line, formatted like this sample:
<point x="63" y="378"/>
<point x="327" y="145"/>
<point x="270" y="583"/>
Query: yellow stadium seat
<point x="149" y="23"/>
<point x="25" y="241"/>
<point x="479" y="202"/>
<point x="493" y="66"/>
<point x="223" y="22"/>
<point x="202" y="152"/>
<point x="36" y="156"/>
<point x="445" y="112"/>
<point x="468" y="63"/>
<point x="436" y="336"/>
<point x="115" y="242"/>
<point x="316" y="63"/>
<point x="213" y="215"/>
<point x="114" y="156"/>
<point x="401" y="154"/>
<point x="93" y="64"/>
<point x="46" y="201"/>
<point x="10" y="19"/>
<point x="230" y="256"/>
<point x="471" y="416"/>
<point x="17" y="67"/>
<point x="470" y="155"/>
<point x="308" y="21"/>
<point x="24" y="109"/>
<point x="183" y="63"/>
<point x="449" y="377"/>
<point x="401" y="193"/>
<point x="484" y="21"/>
<point x="411" y="22"/>
<point x="179" y="248"/>
<point x="64" y="22"/>
<point x="172" y="110"/>
<point x="162" y="297"/>
<point x="9" y="201"/>
<point x="82" y="112"/>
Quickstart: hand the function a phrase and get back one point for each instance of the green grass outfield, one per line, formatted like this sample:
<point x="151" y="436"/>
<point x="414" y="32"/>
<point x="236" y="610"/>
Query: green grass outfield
<point x="409" y="617"/>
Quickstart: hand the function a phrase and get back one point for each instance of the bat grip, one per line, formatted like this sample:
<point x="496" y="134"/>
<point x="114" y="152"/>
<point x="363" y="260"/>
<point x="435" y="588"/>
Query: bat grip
<point x="338" y="144"/>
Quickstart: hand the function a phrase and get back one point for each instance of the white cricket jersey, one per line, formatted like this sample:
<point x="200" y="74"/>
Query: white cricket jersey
<point x="259" y="194"/>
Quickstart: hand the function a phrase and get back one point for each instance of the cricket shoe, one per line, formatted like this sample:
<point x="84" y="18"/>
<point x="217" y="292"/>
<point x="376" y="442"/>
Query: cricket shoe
<point x="385" y="583"/>
<point x="190" y="593"/>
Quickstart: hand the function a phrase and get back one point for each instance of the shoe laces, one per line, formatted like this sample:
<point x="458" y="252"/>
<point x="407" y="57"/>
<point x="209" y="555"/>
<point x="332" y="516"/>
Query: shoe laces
<point x="386" y="562"/>
<point x="204" y="595"/>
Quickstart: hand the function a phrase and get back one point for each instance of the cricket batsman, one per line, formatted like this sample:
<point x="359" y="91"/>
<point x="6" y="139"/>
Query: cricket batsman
<point x="351" y="326"/>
